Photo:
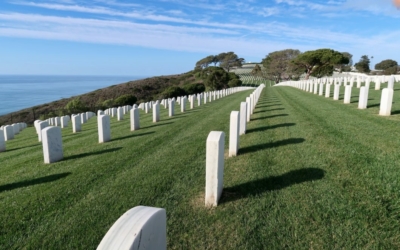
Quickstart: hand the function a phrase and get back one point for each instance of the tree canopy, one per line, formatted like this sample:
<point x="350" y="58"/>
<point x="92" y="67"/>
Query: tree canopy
<point x="218" y="78"/>
<point x="388" y="66"/>
<point x="347" y="66"/>
<point x="278" y="65"/>
<point x="225" y="60"/>
<point x="363" y="65"/>
<point x="320" y="62"/>
<point x="205" y="62"/>
<point x="385" y="64"/>
<point x="256" y="70"/>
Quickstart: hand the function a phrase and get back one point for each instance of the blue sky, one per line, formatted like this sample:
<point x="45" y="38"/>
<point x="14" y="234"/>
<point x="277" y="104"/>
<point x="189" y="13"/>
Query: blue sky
<point x="146" y="38"/>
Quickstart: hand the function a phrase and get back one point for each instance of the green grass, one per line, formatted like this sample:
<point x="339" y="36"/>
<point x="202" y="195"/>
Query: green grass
<point x="311" y="173"/>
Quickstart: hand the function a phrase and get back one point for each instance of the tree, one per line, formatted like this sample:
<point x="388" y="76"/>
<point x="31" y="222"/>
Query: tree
<point x="388" y="66"/>
<point x="346" y="67"/>
<point x="217" y="78"/>
<point x="205" y="62"/>
<point x="225" y="60"/>
<point x="229" y="60"/>
<point x="278" y="66"/>
<point x="319" y="62"/>
<point x="385" y="64"/>
<point x="256" y="70"/>
<point x="363" y="65"/>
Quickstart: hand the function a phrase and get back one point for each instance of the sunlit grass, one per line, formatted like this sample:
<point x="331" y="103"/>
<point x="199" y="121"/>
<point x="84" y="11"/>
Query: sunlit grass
<point x="311" y="173"/>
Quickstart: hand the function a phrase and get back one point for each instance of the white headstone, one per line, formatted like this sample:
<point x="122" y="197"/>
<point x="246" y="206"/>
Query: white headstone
<point x="52" y="144"/>
<point x="104" y="128"/>
<point x="363" y="99"/>
<point x="156" y="112"/>
<point x="214" y="167"/>
<point x="41" y="126"/>
<point x="386" y="102"/>
<point x="57" y="121"/>
<point x="234" y="133"/>
<point x="336" y="92"/>
<point x="183" y="104"/>
<point x="2" y="141"/>
<point x="327" y="90"/>
<point x="35" y="123"/>
<point x="8" y="133"/>
<point x="139" y="228"/>
<point x="347" y="94"/>
<point x="64" y="121"/>
<point x="135" y="125"/>
<point x="243" y="118"/>
<point x="248" y="112"/>
<point x="321" y="89"/>
<point x="377" y="83"/>
<point x="76" y="123"/>
<point x="191" y="102"/>
<point x="120" y="114"/>
<point x="391" y="82"/>
<point x="171" y="111"/>
<point x="83" y="118"/>
<point x="16" y="128"/>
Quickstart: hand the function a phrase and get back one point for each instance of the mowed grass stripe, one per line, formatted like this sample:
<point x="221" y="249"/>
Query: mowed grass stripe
<point x="311" y="173"/>
<point x="150" y="165"/>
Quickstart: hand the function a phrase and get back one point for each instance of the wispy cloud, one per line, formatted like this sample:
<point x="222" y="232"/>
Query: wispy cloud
<point x="248" y="26"/>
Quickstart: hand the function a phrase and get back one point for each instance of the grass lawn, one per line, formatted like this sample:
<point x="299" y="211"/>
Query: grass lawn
<point x="311" y="173"/>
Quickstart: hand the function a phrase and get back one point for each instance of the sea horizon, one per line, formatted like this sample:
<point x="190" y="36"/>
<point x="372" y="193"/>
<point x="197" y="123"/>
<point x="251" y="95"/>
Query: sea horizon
<point x="21" y="91"/>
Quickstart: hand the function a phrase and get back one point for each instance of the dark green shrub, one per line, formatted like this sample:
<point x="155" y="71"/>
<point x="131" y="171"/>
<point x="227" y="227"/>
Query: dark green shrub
<point x="191" y="89"/>
<point x="125" y="100"/>
<point x="235" y="83"/>
<point x="75" y="106"/>
<point x="172" y="91"/>
<point x="108" y="103"/>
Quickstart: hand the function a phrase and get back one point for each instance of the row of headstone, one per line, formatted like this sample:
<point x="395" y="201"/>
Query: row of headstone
<point x="49" y="133"/>
<point x="386" y="95"/>
<point x="8" y="132"/>
<point x="52" y="136"/>
<point x="58" y="121"/>
<point x="216" y="143"/>
<point x="145" y="227"/>
<point x="182" y="101"/>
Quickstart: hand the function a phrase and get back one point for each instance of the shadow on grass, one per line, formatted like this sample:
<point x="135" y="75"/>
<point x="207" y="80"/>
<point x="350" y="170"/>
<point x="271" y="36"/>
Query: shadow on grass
<point x="271" y="183"/>
<point x="36" y="181"/>
<point x="269" y="127"/>
<point x="373" y="105"/>
<point x="258" y="147"/>
<point x="358" y="100"/>
<point x="157" y="124"/>
<point x="13" y="149"/>
<point x="266" y="106"/>
<point x="131" y="135"/>
<point x="396" y="112"/>
<point x="178" y="117"/>
<point x="270" y="116"/>
<point x="263" y="111"/>
<point x="91" y="153"/>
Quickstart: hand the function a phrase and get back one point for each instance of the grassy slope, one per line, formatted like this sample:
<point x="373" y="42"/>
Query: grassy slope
<point x="312" y="173"/>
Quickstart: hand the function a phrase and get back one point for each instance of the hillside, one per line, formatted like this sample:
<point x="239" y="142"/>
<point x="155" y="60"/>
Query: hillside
<point x="143" y="90"/>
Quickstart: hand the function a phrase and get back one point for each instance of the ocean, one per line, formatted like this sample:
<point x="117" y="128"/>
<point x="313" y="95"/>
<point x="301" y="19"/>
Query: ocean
<point x="23" y="91"/>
